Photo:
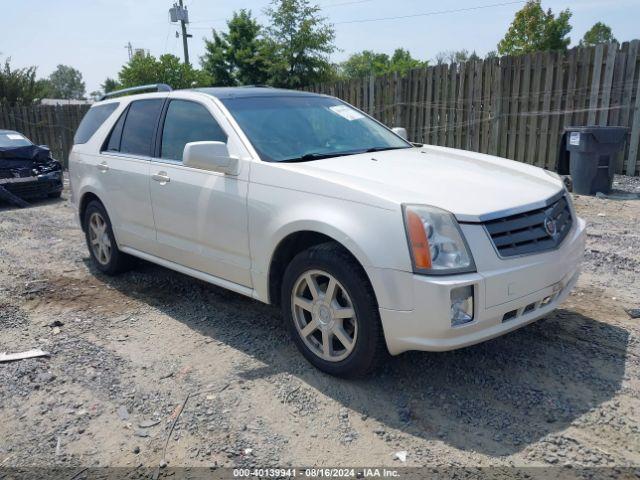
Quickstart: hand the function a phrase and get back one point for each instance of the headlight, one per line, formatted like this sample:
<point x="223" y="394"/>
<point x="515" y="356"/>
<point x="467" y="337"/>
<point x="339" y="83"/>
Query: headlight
<point x="436" y="242"/>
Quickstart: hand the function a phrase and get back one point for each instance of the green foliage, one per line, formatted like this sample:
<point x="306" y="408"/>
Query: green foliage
<point x="299" y="42"/>
<point x="292" y="52"/>
<point x="534" y="30"/>
<point x="19" y="86"/>
<point x="402" y="62"/>
<point x="599" y="33"/>
<point x="238" y="56"/>
<point x="456" y="56"/>
<point x="66" y="82"/>
<point x="215" y="61"/>
<point x="109" y="85"/>
<point x="365" y="64"/>
<point x="144" y="69"/>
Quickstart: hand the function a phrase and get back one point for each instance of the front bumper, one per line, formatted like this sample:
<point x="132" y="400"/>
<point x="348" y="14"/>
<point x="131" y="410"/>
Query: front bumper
<point x="508" y="294"/>
<point x="34" y="187"/>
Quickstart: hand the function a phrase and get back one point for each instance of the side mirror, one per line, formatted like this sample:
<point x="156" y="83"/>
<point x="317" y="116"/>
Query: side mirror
<point x="213" y="156"/>
<point x="400" y="131"/>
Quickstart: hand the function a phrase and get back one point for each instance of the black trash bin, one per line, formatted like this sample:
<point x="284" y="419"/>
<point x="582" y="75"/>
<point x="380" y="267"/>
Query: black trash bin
<point x="592" y="157"/>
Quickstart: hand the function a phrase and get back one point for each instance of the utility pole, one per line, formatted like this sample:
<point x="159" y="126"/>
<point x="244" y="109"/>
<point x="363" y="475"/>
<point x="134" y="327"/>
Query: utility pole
<point x="179" y="13"/>
<point x="129" y="48"/>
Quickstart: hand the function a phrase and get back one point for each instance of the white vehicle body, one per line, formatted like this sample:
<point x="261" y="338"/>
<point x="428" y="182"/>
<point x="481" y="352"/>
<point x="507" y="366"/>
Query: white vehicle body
<point x="227" y="228"/>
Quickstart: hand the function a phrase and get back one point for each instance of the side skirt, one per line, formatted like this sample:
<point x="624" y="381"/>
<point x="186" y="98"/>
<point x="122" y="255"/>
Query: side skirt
<point x="220" y="282"/>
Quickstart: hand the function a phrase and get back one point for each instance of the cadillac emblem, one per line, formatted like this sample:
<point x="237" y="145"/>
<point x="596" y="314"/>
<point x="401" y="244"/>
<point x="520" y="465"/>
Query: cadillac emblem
<point x="550" y="226"/>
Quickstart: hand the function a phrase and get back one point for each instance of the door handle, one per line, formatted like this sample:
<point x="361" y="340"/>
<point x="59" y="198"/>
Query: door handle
<point x="102" y="166"/>
<point x="161" y="177"/>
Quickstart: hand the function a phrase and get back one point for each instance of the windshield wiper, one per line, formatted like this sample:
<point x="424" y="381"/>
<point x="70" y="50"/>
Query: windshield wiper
<point x="307" y="157"/>
<point x="382" y="149"/>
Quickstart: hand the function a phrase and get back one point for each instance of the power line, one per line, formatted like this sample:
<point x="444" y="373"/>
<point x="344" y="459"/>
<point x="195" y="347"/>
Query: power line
<point x="330" y="5"/>
<point x="427" y="14"/>
<point x="342" y="4"/>
<point x="380" y="19"/>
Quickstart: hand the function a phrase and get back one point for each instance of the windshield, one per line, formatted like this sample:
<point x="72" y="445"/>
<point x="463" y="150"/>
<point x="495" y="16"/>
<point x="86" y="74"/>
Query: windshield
<point x="300" y="128"/>
<point x="13" y="139"/>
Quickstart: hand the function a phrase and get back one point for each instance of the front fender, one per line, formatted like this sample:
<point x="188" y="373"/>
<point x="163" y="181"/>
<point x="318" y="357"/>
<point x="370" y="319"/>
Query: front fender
<point x="375" y="236"/>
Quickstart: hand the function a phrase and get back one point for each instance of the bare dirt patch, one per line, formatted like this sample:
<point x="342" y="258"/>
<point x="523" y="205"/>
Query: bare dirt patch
<point x="126" y="351"/>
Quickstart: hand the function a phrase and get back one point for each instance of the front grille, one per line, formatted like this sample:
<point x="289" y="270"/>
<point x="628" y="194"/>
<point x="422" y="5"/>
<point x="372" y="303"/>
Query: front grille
<point x="533" y="231"/>
<point x="32" y="189"/>
<point x="16" y="173"/>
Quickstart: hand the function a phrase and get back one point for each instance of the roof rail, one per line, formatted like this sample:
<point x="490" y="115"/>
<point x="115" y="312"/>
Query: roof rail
<point x="158" y="87"/>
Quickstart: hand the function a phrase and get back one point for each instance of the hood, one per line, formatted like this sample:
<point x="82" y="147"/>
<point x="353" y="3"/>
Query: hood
<point x="25" y="152"/>
<point x="26" y="161"/>
<point x="471" y="185"/>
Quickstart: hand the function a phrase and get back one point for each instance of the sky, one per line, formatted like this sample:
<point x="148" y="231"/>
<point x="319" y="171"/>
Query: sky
<point x="91" y="35"/>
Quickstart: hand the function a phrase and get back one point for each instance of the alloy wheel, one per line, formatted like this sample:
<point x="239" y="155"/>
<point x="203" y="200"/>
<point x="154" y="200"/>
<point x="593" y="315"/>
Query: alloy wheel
<point x="99" y="238"/>
<point x="324" y="315"/>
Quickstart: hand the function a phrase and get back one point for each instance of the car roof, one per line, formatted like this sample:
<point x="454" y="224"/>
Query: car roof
<point x="250" y="91"/>
<point x="8" y="131"/>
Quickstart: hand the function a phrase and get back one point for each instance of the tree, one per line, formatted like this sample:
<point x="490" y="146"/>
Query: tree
<point x="66" y="82"/>
<point x="238" y="56"/>
<point x="109" y="85"/>
<point x="456" y="56"/>
<point x="19" y="86"/>
<point x="365" y="64"/>
<point x="143" y="69"/>
<point x="599" y="33"/>
<point x="368" y="63"/>
<point x="215" y="61"/>
<point x="299" y="44"/>
<point x="534" y="30"/>
<point x="402" y="62"/>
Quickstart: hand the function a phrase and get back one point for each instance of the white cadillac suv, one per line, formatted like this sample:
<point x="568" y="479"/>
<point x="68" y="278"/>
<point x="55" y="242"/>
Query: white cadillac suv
<point x="367" y="242"/>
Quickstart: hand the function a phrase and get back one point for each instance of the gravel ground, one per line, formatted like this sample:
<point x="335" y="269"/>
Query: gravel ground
<point x="126" y="352"/>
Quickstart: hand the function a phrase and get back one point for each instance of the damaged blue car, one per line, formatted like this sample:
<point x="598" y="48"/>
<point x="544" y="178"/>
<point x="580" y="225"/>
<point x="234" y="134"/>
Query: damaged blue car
<point x="27" y="171"/>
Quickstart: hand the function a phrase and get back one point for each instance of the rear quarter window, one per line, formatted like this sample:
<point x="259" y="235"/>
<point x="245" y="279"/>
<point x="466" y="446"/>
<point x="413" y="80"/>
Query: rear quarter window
<point x="92" y="120"/>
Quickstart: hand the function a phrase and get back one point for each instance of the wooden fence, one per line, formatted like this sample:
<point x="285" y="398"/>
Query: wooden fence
<point x="514" y="107"/>
<point x="45" y="125"/>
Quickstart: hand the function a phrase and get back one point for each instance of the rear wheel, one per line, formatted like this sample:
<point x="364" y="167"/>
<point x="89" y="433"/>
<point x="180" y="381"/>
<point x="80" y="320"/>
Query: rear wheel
<point x="331" y="311"/>
<point x="101" y="242"/>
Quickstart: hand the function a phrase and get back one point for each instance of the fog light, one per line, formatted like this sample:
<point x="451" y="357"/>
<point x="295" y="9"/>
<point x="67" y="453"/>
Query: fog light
<point x="546" y="300"/>
<point x="461" y="305"/>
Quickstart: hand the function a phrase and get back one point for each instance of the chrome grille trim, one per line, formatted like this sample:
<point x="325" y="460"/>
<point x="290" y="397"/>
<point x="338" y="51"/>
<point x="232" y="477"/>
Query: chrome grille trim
<point x="525" y="233"/>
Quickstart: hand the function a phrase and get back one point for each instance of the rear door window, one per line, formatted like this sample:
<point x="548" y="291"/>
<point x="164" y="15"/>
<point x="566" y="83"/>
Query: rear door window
<point x="187" y="122"/>
<point x="92" y="121"/>
<point x="139" y="126"/>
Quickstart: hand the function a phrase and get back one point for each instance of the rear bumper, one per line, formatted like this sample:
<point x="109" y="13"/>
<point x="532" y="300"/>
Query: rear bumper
<point x="508" y="294"/>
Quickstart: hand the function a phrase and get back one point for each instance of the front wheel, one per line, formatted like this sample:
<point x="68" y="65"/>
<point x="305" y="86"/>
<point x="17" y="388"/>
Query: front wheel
<point x="332" y="312"/>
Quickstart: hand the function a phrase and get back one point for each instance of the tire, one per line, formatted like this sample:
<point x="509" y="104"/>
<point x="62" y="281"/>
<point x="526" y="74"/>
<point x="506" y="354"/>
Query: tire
<point x="312" y="328"/>
<point x="113" y="261"/>
<point x="55" y="194"/>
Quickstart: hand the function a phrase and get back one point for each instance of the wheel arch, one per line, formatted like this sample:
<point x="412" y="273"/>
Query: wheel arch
<point x="87" y="197"/>
<point x="297" y="241"/>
